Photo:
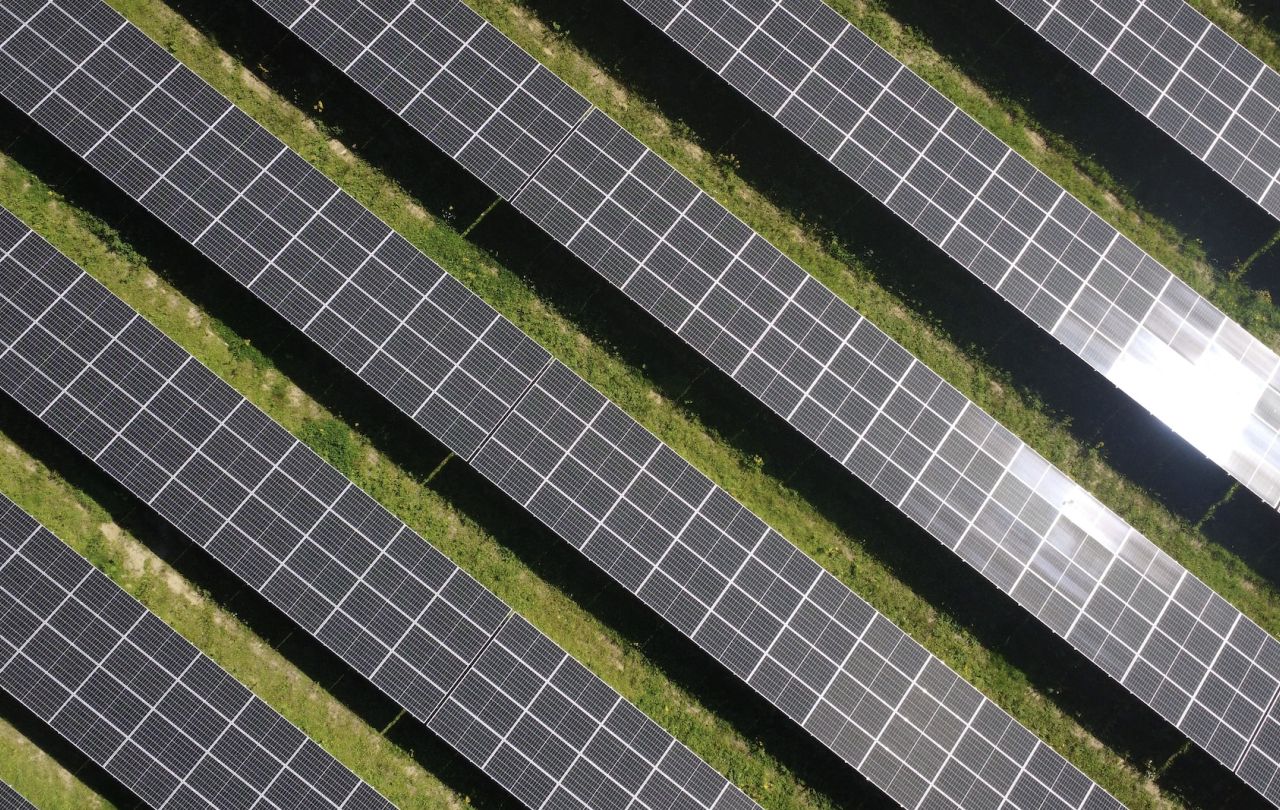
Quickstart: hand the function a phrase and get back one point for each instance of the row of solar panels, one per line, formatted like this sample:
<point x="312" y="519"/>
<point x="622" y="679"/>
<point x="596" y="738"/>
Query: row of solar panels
<point x="682" y="544"/>
<point x="108" y="675"/>
<point x="814" y="360"/>
<point x="586" y="469"/>
<point x="313" y="544"/>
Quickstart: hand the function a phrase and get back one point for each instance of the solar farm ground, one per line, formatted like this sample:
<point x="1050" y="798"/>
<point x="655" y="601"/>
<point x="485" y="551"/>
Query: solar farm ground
<point x="1059" y="407"/>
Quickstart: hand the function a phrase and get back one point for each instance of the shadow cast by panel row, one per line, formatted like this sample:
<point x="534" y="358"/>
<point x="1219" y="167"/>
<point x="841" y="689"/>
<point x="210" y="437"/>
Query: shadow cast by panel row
<point x="842" y="382"/>
<point x="322" y="551"/>
<point x="332" y="269"/>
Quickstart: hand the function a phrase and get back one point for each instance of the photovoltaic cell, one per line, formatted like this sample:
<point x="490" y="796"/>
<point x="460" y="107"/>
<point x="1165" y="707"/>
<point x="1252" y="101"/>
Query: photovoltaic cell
<point x="1185" y="74"/>
<point x="138" y="699"/>
<point x="974" y="752"/>
<point x="898" y="426"/>
<point x="10" y="799"/>
<point x="316" y="546"/>
<point x="1010" y="225"/>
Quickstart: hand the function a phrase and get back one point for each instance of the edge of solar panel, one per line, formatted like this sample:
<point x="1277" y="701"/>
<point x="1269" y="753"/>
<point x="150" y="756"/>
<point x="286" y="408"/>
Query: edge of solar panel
<point x="1041" y="763"/>
<point x="1011" y="226"/>
<point x="997" y="446"/>
<point x="1181" y="72"/>
<point x="137" y="698"/>
<point x="500" y="692"/>
<point x="11" y="799"/>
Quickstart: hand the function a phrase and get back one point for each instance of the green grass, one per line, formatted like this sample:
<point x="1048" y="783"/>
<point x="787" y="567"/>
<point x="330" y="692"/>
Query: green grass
<point x="40" y="778"/>
<point x="621" y="661"/>
<point x="627" y="666"/>
<point x="334" y="441"/>
<point x="1073" y="167"/>
<point x="89" y="528"/>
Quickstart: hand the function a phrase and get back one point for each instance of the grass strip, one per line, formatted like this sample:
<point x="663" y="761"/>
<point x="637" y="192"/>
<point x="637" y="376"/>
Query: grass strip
<point x="40" y="778"/>
<point x="88" y="527"/>
<point x="741" y="474"/>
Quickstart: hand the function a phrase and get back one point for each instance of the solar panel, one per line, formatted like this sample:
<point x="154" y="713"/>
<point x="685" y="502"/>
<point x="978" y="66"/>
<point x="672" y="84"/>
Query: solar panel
<point x="138" y="699"/>
<point x="1015" y="229"/>
<point x="945" y="741"/>
<point x="10" y="799"/>
<point x="1183" y="73"/>
<point x="322" y="551"/>
<point x="884" y="415"/>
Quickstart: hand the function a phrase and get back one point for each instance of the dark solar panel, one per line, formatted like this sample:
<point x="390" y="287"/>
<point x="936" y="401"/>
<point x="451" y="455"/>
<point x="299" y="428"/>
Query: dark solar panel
<point x="468" y="88"/>
<point x="248" y="202"/>
<point x="894" y="423"/>
<point x="10" y="799"/>
<point x="1013" y="227"/>
<point x="885" y="746"/>
<point x="1183" y="73"/>
<point x="311" y="542"/>
<point x="138" y="699"/>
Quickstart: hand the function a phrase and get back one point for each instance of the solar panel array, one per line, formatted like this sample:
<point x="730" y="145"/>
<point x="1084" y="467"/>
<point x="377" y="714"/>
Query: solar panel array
<point x="322" y="551"/>
<point x="764" y="609"/>
<point x="869" y="404"/>
<point x="1183" y="73"/>
<point x="917" y="441"/>
<point x="1010" y="225"/>
<point x="937" y="738"/>
<point x="280" y="227"/>
<point x="10" y="799"/>
<point x="138" y="699"/>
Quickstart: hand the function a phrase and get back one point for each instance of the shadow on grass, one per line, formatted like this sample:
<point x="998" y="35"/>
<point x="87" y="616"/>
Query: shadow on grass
<point x="1075" y="687"/>
<point x="1137" y="445"/>
<point x="64" y="753"/>
<point x="226" y="590"/>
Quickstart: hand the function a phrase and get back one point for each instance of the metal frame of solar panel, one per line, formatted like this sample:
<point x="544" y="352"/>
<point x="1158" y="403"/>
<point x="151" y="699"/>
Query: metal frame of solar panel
<point x="873" y="688"/>
<point x="859" y="395"/>
<point x="323" y="552"/>
<point x="11" y="799"/>
<point x="1011" y="226"/>
<point x="1183" y="73"/>
<point x="138" y="699"/>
